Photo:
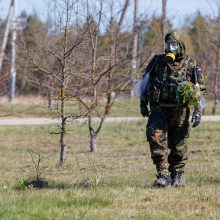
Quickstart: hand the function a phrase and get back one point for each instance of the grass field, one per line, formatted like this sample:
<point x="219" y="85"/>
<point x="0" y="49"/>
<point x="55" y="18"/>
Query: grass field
<point x="115" y="183"/>
<point x="37" y="107"/>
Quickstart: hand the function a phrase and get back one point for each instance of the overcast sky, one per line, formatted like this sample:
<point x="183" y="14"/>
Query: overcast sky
<point x="177" y="9"/>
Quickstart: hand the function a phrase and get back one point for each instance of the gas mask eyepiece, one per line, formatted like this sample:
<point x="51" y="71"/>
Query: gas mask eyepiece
<point x="172" y="46"/>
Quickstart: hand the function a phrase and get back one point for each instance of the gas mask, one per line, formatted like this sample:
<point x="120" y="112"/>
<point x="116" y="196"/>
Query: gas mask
<point x="172" y="49"/>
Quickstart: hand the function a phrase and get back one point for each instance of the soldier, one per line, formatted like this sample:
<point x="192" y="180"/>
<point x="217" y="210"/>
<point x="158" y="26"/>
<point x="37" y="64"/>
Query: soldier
<point x="168" y="124"/>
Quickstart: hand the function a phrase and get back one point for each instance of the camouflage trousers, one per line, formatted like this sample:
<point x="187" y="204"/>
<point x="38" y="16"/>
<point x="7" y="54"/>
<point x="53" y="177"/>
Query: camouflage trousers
<point x="167" y="133"/>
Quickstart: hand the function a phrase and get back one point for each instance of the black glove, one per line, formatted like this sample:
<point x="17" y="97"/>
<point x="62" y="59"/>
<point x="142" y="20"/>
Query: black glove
<point x="144" y="110"/>
<point x="196" y="118"/>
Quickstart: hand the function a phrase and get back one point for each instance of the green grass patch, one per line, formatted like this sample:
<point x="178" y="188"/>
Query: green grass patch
<point x="36" y="205"/>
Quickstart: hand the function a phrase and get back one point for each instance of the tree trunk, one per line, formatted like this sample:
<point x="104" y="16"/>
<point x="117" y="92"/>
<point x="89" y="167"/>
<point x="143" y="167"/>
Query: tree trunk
<point x="6" y="34"/>
<point x="215" y="106"/>
<point x="164" y="22"/>
<point x="134" y="50"/>
<point x="63" y="142"/>
<point x="216" y="82"/>
<point x="50" y="94"/>
<point x="63" y="125"/>
<point x="93" y="147"/>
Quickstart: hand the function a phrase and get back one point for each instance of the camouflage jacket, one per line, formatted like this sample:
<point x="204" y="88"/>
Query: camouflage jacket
<point x="164" y="78"/>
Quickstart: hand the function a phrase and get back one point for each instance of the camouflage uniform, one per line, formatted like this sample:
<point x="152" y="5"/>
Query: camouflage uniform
<point x="168" y="124"/>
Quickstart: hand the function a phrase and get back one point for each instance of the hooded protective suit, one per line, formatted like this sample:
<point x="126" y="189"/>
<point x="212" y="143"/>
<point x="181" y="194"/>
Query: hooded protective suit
<point x="175" y="48"/>
<point x="168" y="124"/>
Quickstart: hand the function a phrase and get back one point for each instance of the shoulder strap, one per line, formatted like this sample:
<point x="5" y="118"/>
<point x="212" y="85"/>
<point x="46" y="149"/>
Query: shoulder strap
<point x="157" y="61"/>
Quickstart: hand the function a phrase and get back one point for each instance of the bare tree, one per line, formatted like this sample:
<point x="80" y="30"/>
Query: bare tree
<point x="54" y="59"/>
<point x="90" y="67"/>
<point x="106" y="55"/>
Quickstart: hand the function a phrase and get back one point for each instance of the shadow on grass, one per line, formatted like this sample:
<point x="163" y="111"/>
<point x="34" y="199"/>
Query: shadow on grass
<point x="31" y="184"/>
<point x="86" y="184"/>
<point x="42" y="184"/>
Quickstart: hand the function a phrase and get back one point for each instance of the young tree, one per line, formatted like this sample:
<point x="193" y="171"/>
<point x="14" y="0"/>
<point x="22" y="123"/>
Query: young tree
<point x="106" y="65"/>
<point x="54" y="59"/>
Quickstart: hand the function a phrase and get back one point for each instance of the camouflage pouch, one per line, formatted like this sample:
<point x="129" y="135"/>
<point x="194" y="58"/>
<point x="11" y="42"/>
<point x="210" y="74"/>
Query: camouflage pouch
<point x="164" y="93"/>
<point x="168" y="93"/>
<point x="172" y="92"/>
<point x="154" y="94"/>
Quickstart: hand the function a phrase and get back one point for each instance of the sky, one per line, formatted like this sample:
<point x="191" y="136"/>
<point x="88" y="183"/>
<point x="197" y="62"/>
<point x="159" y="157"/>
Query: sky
<point x="177" y="10"/>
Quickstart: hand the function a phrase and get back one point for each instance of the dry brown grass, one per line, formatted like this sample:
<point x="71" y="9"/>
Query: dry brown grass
<point x="24" y="100"/>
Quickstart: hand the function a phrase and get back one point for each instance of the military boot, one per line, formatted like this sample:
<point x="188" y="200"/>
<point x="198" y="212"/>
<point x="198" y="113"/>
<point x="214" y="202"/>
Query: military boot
<point x="163" y="180"/>
<point x="177" y="179"/>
